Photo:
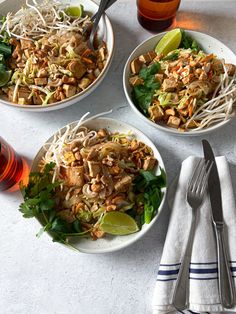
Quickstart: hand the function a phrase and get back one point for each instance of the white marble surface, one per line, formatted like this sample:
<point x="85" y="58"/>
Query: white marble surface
<point x="41" y="277"/>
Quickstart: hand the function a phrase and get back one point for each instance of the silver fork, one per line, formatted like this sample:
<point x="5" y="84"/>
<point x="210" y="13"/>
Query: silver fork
<point x="109" y="4"/>
<point x="101" y="9"/>
<point x="195" y="194"/>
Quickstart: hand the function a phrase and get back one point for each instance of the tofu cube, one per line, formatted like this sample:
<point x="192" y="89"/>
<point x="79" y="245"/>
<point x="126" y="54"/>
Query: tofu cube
<point x="77" y="68"/>
<point x="156" y="113"/>
<point x="173" y="122"/>
<point x="37" y="100"/>
<point x="94" y="168"/>
<point x="169" y="85"/>
<point x="123" y="184"/>
<point x="84" y="83"/>
<point x="136" y="66"/>
<point x="170" y="112"/>
<point x="148" y="57"/>
<point x="149" y="163"/>
<point x="23" y="96"/>
<point x="69" y="90"/>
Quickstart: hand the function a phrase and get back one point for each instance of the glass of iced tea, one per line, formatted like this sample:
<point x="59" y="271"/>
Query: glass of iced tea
<point x="157" y="15"/>
<point x="11" y="166"/>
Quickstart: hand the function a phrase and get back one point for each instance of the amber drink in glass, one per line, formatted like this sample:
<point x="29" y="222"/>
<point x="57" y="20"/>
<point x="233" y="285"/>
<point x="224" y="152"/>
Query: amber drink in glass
<point x="11" y="166"/>
<point x="157" y="15"/>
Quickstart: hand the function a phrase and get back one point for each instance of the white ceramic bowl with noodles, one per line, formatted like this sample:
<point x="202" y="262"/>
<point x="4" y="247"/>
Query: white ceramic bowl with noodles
<point x="105" y="33"/>
<point x="208" y="44"/>
<point x="112" y="243"/>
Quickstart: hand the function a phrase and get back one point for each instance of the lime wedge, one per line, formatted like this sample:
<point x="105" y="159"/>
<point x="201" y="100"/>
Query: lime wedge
<point x="170" y="41"/>
<point x="5" y="77"/>
<point x="75" y="11"/>
<point x="118" y="223"/>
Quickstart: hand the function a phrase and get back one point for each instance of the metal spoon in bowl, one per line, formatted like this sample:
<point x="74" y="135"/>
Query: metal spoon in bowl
<point x="102" y="7"/>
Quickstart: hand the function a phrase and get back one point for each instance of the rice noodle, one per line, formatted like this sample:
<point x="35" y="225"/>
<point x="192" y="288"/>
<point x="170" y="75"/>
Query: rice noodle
<point x="92" y="181"/>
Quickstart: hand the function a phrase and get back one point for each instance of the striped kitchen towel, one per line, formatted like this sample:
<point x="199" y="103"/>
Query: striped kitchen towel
<point x="203" y="274"/>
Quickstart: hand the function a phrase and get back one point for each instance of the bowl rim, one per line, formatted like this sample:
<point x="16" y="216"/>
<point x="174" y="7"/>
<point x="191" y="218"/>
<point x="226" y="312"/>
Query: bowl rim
<point x="159" y="126"/>
<point x="82" y="94"/>
<point x="142" y="231"/>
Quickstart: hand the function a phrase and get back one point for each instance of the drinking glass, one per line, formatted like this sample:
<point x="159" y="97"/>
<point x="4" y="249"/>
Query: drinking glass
<point x="157" y="15"/>
<point x="11" y="166"/>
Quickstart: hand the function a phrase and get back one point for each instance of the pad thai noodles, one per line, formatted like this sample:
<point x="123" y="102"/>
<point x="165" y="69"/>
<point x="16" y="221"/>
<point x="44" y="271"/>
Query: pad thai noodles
<point x="49" y="57"/>
<point x="93" y="172"/>
<point x="186" y="89"/>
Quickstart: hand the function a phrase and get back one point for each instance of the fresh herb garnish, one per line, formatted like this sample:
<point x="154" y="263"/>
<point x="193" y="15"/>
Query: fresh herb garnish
<point x="5" y="52"/>
<point x="150" y="185"/>
<point x="40" y="202"/>
<point x="143" y="94"/>
<point x="171" y="57"/>
<point x="5" y="49"/>
<point x="187" y="42"/>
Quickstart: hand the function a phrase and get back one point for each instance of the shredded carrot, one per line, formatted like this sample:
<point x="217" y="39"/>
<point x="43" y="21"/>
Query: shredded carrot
<point x="87" y="52"/>
<point x="87" y="60"/>
<point x="190" y="110"/>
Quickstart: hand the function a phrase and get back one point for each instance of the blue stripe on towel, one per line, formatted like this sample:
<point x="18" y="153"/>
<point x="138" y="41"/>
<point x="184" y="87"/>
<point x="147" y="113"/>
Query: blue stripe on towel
<point x="194" y="263"/>
<point x="192" y="278"/>
<point x="168" y="272"/>
<point x="203" y="271"/>
<point x="207" y="278"/>
<point x="189" y="311"/>
<point x="170" y="279"/>
<point x="210" y="263"/>
<point x="198" y="271"/>
<point x="177" y="264"/>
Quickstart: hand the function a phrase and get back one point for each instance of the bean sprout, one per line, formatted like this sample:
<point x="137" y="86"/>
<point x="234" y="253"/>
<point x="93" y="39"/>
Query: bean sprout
<point x="218" y="109"/>
<point x="38" y="19"/>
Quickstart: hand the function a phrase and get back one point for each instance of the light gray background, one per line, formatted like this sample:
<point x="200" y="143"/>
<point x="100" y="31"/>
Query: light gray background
<point x="41" y="277"/>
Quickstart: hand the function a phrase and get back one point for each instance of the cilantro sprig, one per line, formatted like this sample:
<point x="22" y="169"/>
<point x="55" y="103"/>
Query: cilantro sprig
<point x="143" y="94"/>
<point x="188" y="42"/>
<point x="40" y="201"/>
<point x="5" y="53"/>
<point x="150" y="185"/>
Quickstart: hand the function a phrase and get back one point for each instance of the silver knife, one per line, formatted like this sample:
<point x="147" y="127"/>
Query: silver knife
<point x="226" y="284"/>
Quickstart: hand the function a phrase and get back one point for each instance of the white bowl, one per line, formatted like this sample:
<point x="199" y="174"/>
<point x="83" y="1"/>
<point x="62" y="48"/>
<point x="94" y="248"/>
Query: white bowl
<point x="105" y="32"/>
<point x="112" y="243"/>
<point x="208" y="44"/>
